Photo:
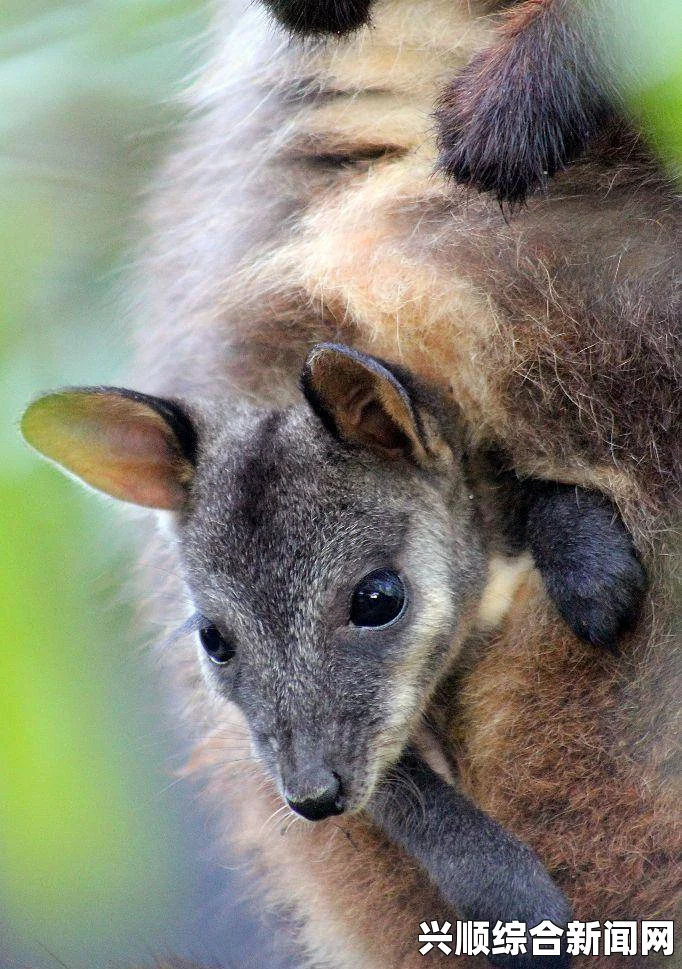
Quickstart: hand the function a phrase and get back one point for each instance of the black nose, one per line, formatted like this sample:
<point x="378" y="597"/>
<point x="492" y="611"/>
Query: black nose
<point x="321" y="803"/>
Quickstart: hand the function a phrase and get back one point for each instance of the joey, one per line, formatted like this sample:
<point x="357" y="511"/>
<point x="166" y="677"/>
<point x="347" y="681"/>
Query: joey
<point x="336" y="552"/>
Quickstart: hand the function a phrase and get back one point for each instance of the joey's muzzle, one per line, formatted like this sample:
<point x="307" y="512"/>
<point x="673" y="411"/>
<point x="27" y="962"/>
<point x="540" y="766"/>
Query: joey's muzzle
<point x="315" y="795"/>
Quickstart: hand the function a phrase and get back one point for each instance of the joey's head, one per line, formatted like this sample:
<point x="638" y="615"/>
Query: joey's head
<point x="330" y="548"/>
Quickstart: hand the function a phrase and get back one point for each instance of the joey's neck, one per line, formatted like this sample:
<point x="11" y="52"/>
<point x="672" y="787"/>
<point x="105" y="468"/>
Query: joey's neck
<point x="501" y="502"/>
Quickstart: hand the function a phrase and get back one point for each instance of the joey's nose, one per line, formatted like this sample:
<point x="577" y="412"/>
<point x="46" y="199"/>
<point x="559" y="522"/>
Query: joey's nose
<point x="322" y="801"/>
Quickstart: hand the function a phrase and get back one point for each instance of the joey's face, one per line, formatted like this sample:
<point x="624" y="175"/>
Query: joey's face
<point x="332" y="590"/>
<point x="331" y="550"/>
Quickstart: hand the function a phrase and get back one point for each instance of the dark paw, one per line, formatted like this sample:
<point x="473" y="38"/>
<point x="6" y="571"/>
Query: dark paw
<point x="588" y="562"/>
<point x="500" y="133"/>
<point x="523" y="109"/>
<point x="532" y="899"/>
<point x="321" y="16"/>
<point x="510" y="884"/>
<point x="483" y="872"/>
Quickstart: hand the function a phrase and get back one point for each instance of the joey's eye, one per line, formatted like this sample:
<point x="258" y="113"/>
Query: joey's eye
<point x="378" y="599"/>
<point x="218" y="649"/>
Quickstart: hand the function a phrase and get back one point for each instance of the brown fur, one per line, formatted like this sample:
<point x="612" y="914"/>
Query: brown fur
<point x="281" y="222"/>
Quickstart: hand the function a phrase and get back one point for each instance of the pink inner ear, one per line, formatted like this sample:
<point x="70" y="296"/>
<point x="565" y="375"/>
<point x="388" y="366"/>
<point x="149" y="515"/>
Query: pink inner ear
<point x="114" y="443"/>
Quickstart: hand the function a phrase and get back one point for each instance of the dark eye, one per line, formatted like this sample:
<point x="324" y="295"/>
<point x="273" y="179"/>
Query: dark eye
<point x="218" y="649"/>
<point x="377" y="599"/>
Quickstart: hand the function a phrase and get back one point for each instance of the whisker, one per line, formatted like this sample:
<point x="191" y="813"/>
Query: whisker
<point x="273" y="817"/>
<point x="292" y="822"/>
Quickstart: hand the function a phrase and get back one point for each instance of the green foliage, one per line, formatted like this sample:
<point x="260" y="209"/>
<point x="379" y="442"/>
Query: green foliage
<point x="644" y="40"/>
<point x="86" y="104"/>
<point x="75" y="811"/>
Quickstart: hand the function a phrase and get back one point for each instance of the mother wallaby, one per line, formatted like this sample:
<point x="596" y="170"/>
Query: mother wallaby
<point x="302" y="207"/>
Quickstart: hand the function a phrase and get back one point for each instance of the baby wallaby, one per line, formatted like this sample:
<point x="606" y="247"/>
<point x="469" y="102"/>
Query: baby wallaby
<point x="337" y="553"/>
<point x="523" y="108"/>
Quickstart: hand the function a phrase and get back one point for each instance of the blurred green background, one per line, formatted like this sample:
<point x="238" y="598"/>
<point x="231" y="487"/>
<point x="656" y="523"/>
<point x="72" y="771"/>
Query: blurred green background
<point x="98" y="856"/>
<point x="92" y="850"/>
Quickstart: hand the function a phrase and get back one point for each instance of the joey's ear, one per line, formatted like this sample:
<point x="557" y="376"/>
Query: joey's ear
<point x="363" y="402"/>
<point x="134" y="447"/>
